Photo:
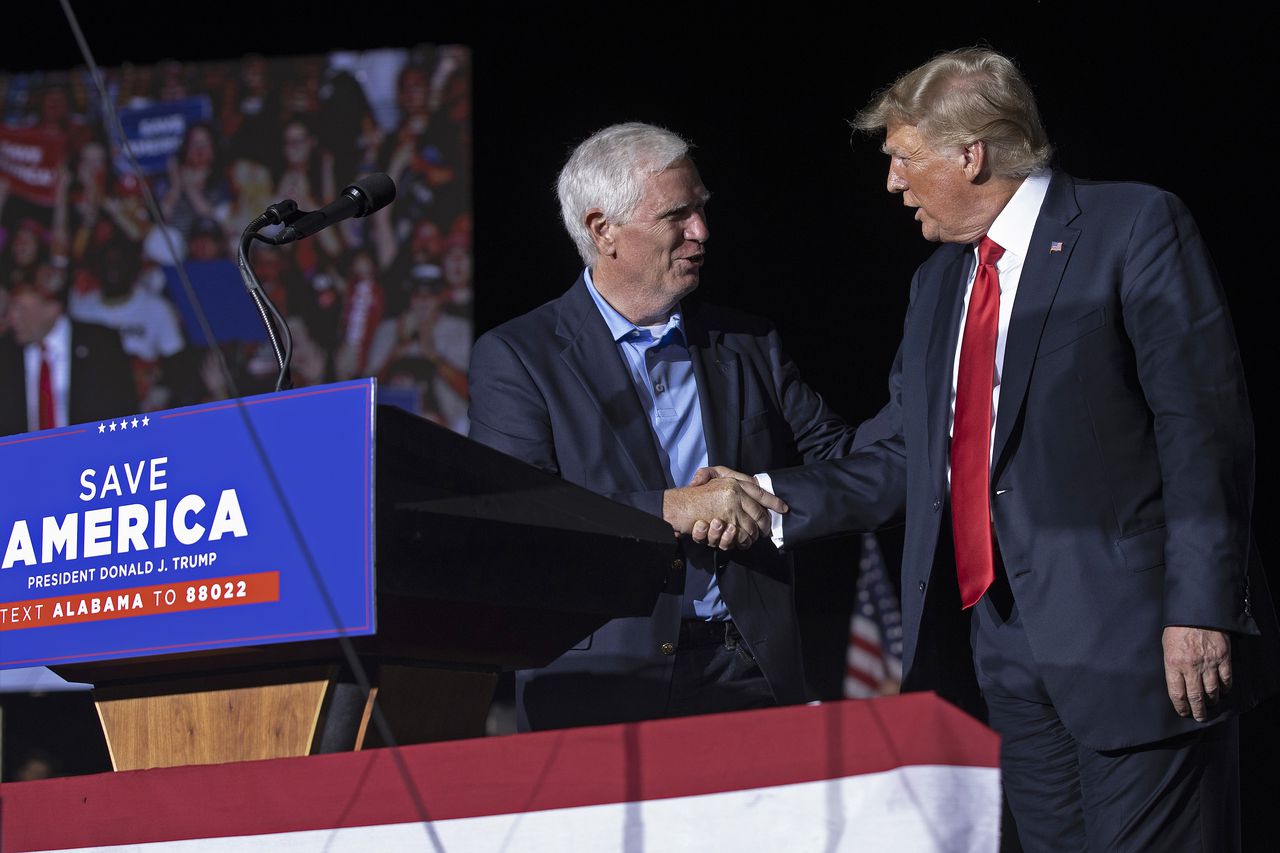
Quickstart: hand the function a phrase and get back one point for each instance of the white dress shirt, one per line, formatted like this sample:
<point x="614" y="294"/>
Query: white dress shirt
<point x="1012" y="232"/>
<point x="58" y="346"/>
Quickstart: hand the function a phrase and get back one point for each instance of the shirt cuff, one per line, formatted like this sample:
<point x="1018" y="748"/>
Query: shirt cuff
<point x="765" y="482"/>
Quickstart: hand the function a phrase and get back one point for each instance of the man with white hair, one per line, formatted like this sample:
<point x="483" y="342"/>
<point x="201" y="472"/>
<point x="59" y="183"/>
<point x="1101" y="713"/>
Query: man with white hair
<point x="627" y="386"/>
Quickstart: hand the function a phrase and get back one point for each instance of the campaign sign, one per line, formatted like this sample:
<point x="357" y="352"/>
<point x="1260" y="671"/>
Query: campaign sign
<point x="155" y="131"/>
<point x="234" y="523"/>
<point x="30" y="158"/>
<point x="220" y="293"/>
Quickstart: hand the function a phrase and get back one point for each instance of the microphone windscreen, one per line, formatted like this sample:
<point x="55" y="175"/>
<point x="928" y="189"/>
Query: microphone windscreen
<point x="375" y="191"/>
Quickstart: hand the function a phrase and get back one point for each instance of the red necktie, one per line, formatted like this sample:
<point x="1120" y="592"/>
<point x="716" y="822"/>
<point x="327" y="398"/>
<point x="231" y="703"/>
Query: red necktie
<point x="971" y="431"/>
<point x="46" y="391"/>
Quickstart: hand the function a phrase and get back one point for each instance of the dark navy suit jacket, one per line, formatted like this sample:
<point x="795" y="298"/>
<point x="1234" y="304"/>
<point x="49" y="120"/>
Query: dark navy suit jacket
<point x="551" y="388"/>
<point x="1122" y="474"/>
<point x="102" y="384"/>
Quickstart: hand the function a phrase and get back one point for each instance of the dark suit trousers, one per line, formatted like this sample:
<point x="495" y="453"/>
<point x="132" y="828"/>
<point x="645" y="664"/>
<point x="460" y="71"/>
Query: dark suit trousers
<point x="714" y="672"/>
<point x="1181" y="794"/>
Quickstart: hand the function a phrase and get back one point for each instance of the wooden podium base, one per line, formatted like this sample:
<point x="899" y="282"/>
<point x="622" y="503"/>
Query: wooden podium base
<point x="281" y="712"/>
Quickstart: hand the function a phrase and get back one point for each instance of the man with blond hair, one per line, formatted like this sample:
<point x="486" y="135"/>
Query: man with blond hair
<point x="627" y="385"/>
<point x="1069" y="439"/>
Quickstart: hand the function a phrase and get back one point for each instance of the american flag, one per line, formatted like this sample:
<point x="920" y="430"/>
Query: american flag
<point x="873" y="662"/>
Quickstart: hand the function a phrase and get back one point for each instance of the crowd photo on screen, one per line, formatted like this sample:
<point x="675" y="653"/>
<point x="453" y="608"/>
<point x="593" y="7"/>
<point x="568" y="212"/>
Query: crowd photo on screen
<point x="386" y="296"/>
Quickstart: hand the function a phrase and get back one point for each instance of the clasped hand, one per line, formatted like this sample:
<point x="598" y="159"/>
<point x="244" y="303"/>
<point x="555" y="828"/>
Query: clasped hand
<point x="722" y="508"/>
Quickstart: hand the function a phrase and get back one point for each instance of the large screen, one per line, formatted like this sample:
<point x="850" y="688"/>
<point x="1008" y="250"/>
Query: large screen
<point x="387" y="296"/>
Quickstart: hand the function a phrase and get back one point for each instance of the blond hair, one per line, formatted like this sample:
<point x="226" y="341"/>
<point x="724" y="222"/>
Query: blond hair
<point x="964" y="96"/>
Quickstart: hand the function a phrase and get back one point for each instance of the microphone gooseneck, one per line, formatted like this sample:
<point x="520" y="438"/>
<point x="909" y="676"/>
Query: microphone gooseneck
<point x="364" y="196"/>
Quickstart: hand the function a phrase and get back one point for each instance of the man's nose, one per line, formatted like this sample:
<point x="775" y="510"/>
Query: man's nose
<point x="696" y="229"/>
<point x="896" y="183"/>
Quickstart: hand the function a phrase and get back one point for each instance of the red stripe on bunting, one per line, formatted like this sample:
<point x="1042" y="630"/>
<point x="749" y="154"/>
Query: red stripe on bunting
<point x="500" y="775"/>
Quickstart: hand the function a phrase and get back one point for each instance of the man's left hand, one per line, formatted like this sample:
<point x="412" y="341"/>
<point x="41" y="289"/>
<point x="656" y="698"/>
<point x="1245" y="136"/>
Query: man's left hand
<point x="1197" y="668"/>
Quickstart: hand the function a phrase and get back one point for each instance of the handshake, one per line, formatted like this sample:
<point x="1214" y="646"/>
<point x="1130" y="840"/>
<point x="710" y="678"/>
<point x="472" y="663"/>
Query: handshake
<point x="722" y="508"/>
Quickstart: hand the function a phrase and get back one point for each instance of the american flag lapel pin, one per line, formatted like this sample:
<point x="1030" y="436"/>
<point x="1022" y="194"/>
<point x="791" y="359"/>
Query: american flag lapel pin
<point x="1055" y="246"/>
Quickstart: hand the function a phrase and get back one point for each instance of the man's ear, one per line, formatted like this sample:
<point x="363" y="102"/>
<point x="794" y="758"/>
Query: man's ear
<point x="975" y="160"/>
<point x="601" y="231"/>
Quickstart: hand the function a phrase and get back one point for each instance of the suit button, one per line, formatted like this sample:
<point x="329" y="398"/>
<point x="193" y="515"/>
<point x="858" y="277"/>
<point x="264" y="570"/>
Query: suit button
<point x="922" y="586"/>
<point x="668" y="648"/>
<point x="677" y="564"/>
<point x="937" y="504"/>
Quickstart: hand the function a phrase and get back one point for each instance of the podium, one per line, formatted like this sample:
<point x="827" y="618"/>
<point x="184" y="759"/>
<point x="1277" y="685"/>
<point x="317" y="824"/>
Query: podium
<point x="482" y="564"/>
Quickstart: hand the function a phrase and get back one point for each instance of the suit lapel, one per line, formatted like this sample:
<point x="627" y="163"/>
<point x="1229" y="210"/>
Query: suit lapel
<point x="591" y="355"/>
<point x="944" y="337"/>
<point x="718" y="373"/>
<point x="79" y="361"/>
<point x="13" y="379"/>
<point x="1042" y="272"/>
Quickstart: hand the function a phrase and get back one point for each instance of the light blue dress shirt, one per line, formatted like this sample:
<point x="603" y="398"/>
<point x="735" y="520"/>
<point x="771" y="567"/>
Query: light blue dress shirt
<point x="661" y="368"/>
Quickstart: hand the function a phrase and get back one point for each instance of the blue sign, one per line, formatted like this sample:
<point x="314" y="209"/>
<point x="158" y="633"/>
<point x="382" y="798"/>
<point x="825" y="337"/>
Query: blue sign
<point x="234" y="523"/>
<point x="228" y="308"/>
<point x="155" y="131"/>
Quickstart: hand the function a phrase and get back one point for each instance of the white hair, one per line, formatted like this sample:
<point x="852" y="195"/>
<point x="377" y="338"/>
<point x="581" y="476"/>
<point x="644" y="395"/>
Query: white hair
<point x="608" y="171"/>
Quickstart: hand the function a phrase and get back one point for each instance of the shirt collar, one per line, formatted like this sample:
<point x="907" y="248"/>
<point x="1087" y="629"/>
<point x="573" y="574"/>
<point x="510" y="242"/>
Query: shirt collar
<point x="1012" y="228"/>
<point x="58" y="341"/>
<point x="620" y="328"/>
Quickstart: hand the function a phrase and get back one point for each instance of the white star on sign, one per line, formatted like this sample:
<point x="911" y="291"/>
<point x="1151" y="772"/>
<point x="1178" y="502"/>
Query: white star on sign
<point x="113" y="426"/>
<point x="102" y="427"/>
<point x="135" y="423"/>
<point x="145" y="420"/>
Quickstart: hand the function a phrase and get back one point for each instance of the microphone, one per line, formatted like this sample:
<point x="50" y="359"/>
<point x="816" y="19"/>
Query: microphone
<point x="282" y="212"/>
<point x="367" y="194"/>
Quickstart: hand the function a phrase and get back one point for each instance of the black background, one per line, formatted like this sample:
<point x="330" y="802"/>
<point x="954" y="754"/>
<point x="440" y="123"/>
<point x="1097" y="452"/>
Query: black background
<point x="802" y="228"/>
